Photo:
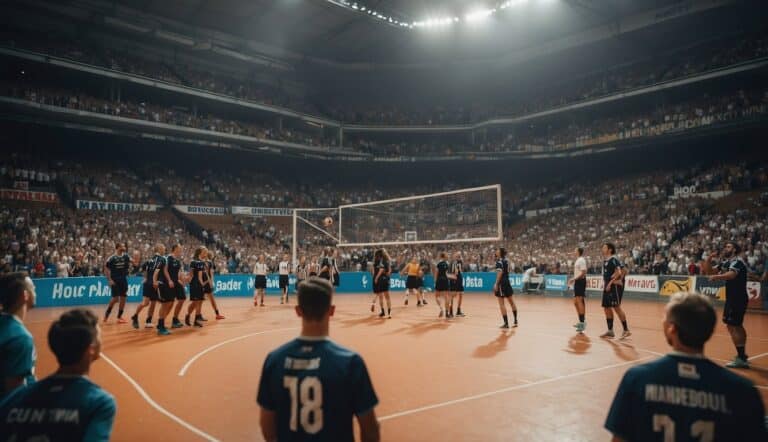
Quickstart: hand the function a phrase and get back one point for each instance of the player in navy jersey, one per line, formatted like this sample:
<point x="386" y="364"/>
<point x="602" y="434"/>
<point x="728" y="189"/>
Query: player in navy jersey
<point x="382" y="270"/>
<point x="116" y="270"/>
<point x="613" y="290"/>
<point x="311" y="387"/>
<point x="198" y="279"/>
<point x="149" y="292"/>
<point x="166" y="279"/>
<point x="175" y="270"/>
<point x="503" y="288"/>
<point x="17" y="348"/>
<point x="65" y="406"/>
<point x="684" y="396"/>
<point x="442" y="284"/>
<point x="733" y="271"/>
<point x="457" y="283"/>
<point x="210" y="284"/>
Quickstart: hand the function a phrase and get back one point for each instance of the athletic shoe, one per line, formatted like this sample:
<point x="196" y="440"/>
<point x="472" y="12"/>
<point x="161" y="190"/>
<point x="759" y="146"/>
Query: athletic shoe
<point x="424" y="302"/>
<point x="149" y="325"/>
<point x="163" y="332"/>
<point x="504" y="326"/>
<point x="738" y="362"/>
<point x="441" y="314"/>
<point x="381" y="315"/>
<point x="262" y="304"/>
<point x="205" y="320"/>
<point x="135" y="322"/>
<point x="105" y="320"/>
<point x="176" y="323"/>
<point x="122" y="321"/>
<point x="198" y="323"/>
<point x="281" y="302"/>
<point x="625" y="334"/>
<point x="256" y="303"/>
<point x="389" y="315"/>
<point x="460" y="314"/>
<point x="418" y="304"/>
<point x="580" y="327"/>
<point x="186" y="321"/>
<point x="608" y="334"/>
<point x="217" y="317"/>
<point x="514" y="325"/>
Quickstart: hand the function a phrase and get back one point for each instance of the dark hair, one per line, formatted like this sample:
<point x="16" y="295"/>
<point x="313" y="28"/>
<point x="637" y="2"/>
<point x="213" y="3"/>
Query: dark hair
<point x="12" y="286"/>
<point x="502" y="252"/>
<point x="315" y="298"/>
<point x="175" y="246"/>
<point x="611" y="247"/>
<point x="197" y="253"/>
<point x="72" y="334"/>
<point x="693" y="316"/>
<point x="120" y="244"/>
<point x="736" y="247"/>
<point x="580" y="250"/>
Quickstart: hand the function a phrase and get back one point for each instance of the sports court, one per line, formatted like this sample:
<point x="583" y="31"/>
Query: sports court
<point x="437" y="379"/>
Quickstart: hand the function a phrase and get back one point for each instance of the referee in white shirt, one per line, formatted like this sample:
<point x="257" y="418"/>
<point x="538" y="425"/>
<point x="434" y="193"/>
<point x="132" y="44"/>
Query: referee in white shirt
<point x="579" y="282"/>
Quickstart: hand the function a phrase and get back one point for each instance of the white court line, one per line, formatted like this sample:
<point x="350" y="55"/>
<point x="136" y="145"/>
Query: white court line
<point x="758" y="356"/>
<point x="513" y="388"/>
<point x="189" y="363"/>
<point x="155" y="405"/>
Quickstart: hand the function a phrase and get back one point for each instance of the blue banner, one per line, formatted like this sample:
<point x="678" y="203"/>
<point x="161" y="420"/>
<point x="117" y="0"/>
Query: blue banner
<point x="556" y="283"/>
<point x="53" y="292"/>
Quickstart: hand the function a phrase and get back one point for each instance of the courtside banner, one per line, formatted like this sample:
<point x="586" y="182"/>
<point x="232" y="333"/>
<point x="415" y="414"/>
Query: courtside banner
<point x="713" y="289"/>
<point x="642" y="283"/>
<point x="595" y="283"/>
<point x="26" y="195"/>
<point x="112" y="206"/>
<point x="261" y="211"/>
<point x="557" y="283"/>
<point x="65" y="292"/>
<point x="669" y="285"/>
<point x="202" y="210"/>
<point x="755" y="295"/>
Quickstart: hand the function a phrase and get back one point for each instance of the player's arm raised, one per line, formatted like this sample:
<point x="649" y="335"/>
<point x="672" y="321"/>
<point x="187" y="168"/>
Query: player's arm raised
<point x="706" y="264"/>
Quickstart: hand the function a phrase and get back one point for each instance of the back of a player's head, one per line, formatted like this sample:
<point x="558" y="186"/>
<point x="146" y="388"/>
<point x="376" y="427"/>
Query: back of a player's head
<point x="72" y="334"/>
<point x="198" y="252"/>
<point x="315" y="295"/>
<point x="694" y="318"/>
<point x="580" y="250"/>
<point x="502" y="252"/>
<point x="12" y="288"/>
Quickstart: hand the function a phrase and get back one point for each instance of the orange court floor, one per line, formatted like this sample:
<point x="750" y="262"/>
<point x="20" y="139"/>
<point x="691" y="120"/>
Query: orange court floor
<point x="457" y="380"/>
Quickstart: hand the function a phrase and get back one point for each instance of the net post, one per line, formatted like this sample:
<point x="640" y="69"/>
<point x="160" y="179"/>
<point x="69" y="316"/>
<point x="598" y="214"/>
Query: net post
<point x="499" y="221"/>
<point x="294" y="258"/>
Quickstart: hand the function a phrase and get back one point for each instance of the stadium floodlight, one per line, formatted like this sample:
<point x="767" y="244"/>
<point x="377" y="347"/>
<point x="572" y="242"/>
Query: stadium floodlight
<point x="479" y="15"/>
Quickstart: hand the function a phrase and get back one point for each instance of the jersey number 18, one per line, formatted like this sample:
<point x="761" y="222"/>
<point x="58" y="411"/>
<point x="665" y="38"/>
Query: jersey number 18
<point x="306" y="403"/>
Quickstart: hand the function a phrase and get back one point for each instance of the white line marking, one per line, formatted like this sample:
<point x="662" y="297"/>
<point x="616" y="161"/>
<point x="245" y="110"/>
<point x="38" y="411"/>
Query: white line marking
<point x="758" y="356"/>
<point x="157" y="406"/>
<point x="762" y="387"/>
<point x="189" y="363"/>
<point x="514" y="387"/>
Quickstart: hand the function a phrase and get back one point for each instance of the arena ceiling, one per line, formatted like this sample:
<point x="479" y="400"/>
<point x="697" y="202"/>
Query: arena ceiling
<point x="322" y="29"/>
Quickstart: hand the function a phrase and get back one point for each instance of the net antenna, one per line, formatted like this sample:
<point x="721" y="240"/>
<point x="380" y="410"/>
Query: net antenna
<point x="464" y="215"/>
<point x="311" y="233"/>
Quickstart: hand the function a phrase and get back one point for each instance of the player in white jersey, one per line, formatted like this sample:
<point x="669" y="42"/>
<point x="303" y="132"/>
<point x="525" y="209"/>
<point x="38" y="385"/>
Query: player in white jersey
<point x="579" y="282"/>
<point x="284" y="271"/>
<point x="260" y="270"/>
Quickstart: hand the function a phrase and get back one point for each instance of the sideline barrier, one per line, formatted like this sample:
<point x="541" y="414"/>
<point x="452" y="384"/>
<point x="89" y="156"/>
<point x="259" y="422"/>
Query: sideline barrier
<point x="56" y="292"/>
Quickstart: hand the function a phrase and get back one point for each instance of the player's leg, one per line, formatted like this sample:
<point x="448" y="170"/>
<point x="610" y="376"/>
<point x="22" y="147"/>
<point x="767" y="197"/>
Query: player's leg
<point x="121" y="306"/>
<point x="578" y="302"/>
<point x="180" y="298"/>
<point x="623" y="318"/>
<point x="212" y="299"/>
<point x="255" y="297"/>
<point x="389" y="304"/>
<point x="407" y="293"/>
<point x="111" y="304"/>
<point x="608" y="302"/>
<point x="373" y="301"/>
<point x="166" y="305"/>
<point x="460" y="297"/>
<point x="503" y="311"/>
<point x="150" y="313"/>
<point x="142" y="306"/>
<point x="733" y="317"/>
<point x="439" y="296"/>
<point x="512" y="305"/>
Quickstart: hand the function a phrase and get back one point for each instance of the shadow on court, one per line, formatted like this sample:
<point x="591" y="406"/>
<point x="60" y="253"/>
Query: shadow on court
<point x="579" y="344"/>
<point x="494" y="347"/>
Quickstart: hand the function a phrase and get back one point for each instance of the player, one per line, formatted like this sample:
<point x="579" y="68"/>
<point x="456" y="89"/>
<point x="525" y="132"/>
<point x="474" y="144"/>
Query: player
<point x="284" y="269"/>
<point x="116" y="270"/>
<point x="528" y="274"/>
<point x="579" y="283"/>
<point x="166" y="280"/>
<point x="457" y="283"/>
<point x="65" y="406"/>
<point x="684" y="396"/>
<point x="311" y="387"/>
<point x="314" y="267"/>
<point x="335" y="268"/>
<point x="149" y="292"/>
<point x="502" y="288"/>
<point x="327" y="265"/>
<point x="442" y="284"/>
<point x="613" y="291"/>
<point x="198" y="269"/>
<point x="208" y="290"/>
<point x="175" y="270"/>
<point x="260" y="269"/>
<point x="411" y="271"/>
<point x="382" y="271"/>
<point x="733" y="271"/>
<point x="301" y="272"/>
<point x="425" y="270"/>
<point x="17" y="348"/>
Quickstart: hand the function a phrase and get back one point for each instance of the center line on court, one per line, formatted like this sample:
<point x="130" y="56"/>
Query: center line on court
<point x="157" y="406"/>
<point x="513" y="388"/>
<point x="192" y="360"/>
